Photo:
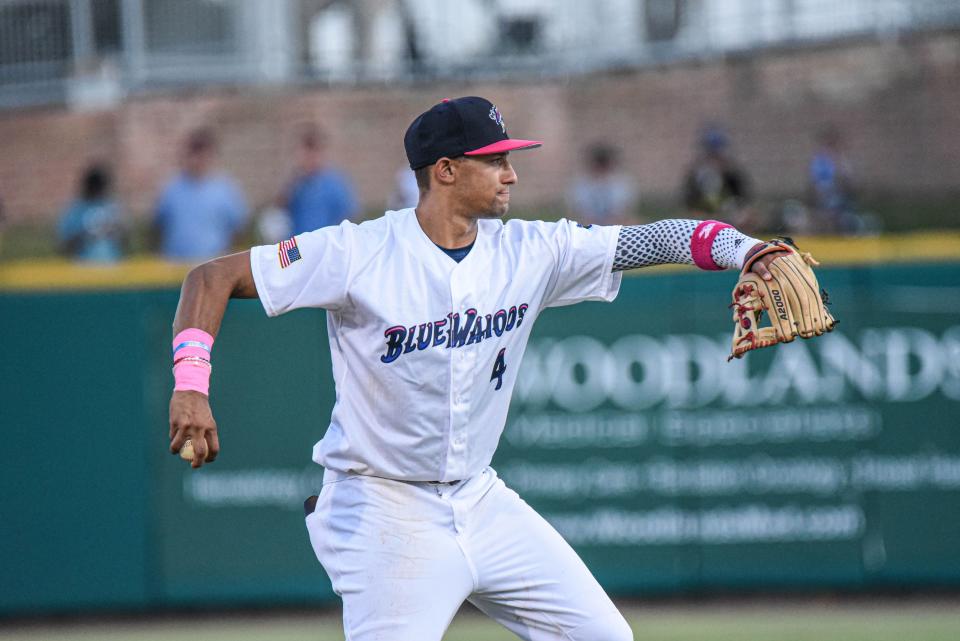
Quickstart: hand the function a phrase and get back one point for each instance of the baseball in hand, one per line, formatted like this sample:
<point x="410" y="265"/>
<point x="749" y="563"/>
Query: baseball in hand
<point x="186" y="452"/>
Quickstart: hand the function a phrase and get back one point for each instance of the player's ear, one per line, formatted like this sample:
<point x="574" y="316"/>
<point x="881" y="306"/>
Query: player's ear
<point x="445" y="171"/>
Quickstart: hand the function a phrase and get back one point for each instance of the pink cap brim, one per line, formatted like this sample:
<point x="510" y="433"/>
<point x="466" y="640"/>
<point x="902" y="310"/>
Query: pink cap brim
<point x="501" y="146"/>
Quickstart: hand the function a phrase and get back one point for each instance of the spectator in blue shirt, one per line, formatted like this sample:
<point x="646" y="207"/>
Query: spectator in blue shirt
<point x="831" y="183"/>
<point x="90" y="227"/>
<point x="3" y="222"/>
<point x="319" y="195"/>
<point x="200" y="211"/>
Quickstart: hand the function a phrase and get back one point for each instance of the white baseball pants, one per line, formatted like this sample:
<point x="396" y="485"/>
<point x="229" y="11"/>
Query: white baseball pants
<point x="404" y="557"/>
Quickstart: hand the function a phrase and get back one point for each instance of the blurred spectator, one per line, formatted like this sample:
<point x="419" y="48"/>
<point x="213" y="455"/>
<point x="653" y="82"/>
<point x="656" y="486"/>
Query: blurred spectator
<point x="405" y="193"/>
<point x="319" y="194"/>
<point x="795" y="218"/>
<point x="3" y="223"/>
<point x="201" y="210"/>
<point x="716" y="186"/>
<point x="831" y="184"/>
<point x="273" y="225"/>
<point x="603" y="194"/>
<point x="90" y="227"/>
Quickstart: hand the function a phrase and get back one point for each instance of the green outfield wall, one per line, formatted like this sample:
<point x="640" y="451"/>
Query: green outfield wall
<point x="824" y="464"/>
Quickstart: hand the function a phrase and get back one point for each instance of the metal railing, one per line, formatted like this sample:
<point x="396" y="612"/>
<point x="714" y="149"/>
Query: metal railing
<point x="93" y="52"/>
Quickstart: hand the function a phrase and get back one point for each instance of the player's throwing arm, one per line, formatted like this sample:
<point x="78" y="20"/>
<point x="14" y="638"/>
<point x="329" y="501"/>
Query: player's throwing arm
<point x="203" y="300"/>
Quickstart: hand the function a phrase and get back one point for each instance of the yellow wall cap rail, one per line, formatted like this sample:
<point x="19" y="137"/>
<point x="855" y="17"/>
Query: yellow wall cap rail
<point x="153" y="273"/>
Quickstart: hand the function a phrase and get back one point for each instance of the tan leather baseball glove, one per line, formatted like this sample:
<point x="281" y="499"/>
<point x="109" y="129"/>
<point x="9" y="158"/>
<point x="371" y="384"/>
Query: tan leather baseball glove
<point x="793" y="300"/>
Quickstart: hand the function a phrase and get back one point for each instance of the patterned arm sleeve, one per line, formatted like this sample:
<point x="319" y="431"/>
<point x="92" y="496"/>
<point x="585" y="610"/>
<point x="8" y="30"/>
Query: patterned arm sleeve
<point x="669" y="241"/>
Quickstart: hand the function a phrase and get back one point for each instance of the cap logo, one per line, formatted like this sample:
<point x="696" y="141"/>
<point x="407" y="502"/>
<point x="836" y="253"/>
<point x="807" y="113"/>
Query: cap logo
<point x="497" y="118"/>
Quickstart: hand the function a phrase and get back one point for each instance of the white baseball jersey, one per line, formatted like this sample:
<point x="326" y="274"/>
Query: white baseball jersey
<point x="426" y="350"/>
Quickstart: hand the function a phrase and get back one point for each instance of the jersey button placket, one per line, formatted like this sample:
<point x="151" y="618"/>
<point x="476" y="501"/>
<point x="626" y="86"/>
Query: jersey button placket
<point x="456" y="459"/>
<point x="463" y="366"/>
<point x="461" y="412"/>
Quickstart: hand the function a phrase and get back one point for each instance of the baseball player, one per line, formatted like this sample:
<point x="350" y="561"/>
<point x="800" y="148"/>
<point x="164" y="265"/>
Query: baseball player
<point x="429" y="311"/>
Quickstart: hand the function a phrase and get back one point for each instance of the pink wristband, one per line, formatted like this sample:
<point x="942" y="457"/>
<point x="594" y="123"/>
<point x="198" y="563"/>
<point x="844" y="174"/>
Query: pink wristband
<point x="191" y="352"/>
<point x="192" y="376"/>
<point x="702" y="242"/>
<point x="193" y="337"/>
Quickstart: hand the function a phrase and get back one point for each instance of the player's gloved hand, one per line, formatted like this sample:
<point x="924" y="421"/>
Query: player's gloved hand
<point x="777" y="279"/>
<point x="760" y="266"/>
<point x="191" y="419"/>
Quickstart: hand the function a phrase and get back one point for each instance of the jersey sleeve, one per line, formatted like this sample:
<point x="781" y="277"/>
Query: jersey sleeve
<point x="583" y="263"/>
<point x="309" y="270"/>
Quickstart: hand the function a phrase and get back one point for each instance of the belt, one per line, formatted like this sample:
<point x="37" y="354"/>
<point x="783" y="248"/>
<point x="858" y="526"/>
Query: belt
<point x="311" y="503"/>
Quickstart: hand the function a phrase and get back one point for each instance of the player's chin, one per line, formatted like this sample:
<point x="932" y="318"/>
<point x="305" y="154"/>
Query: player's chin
<point x="497" y="209"/>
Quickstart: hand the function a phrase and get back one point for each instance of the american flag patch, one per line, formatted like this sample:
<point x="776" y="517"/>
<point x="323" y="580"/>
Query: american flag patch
<point x="289" y="252"/>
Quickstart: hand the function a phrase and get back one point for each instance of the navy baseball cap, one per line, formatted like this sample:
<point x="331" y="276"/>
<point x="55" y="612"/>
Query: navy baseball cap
<point x="470" y="126"/>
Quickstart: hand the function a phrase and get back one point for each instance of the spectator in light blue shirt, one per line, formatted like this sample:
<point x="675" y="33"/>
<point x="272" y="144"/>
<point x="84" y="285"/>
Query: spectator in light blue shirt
<point x="90" y="227"/>
<point x="319" y="195"/>
<point x="201" y="210"/>
<point x="831" y="183"/>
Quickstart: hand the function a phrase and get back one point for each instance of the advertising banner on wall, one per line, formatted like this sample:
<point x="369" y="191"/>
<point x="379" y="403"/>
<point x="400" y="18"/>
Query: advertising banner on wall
<point x="828" y="463"/>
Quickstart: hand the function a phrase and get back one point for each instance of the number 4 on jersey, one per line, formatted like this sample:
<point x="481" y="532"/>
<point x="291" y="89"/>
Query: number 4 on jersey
<point x="499" y="367"/>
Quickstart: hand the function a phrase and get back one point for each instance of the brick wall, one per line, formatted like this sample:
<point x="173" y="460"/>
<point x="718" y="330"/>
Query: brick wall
<point x="898" y="103"/>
